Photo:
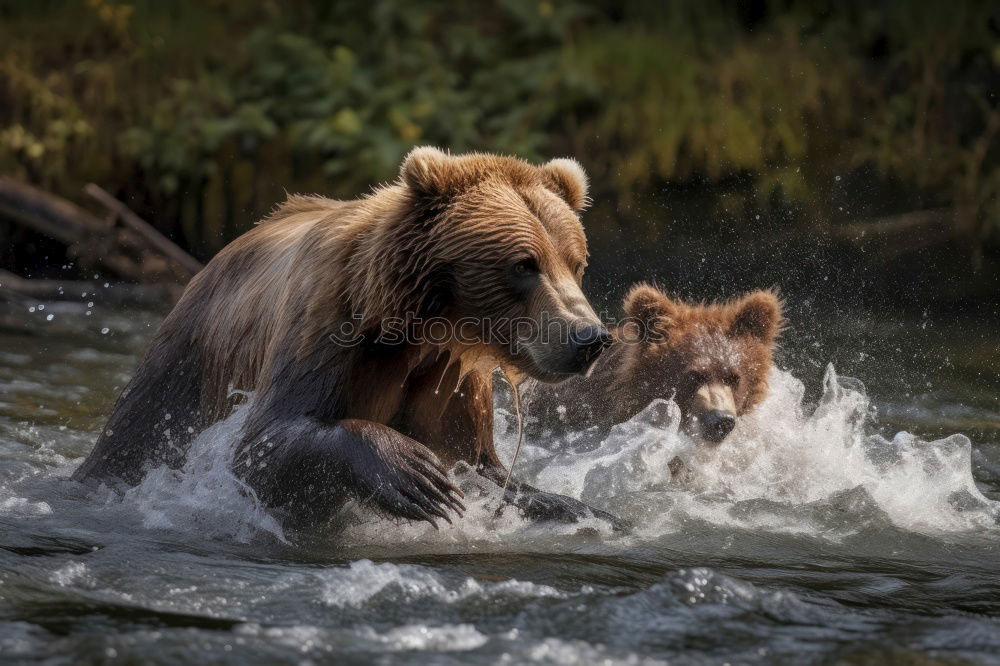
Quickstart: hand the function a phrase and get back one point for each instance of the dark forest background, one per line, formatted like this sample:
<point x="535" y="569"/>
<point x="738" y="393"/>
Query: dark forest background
<point x="844" y="151"/>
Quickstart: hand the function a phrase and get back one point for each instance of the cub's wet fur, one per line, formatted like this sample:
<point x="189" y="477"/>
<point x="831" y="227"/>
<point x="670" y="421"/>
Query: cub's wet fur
<point x="712" y="359"/>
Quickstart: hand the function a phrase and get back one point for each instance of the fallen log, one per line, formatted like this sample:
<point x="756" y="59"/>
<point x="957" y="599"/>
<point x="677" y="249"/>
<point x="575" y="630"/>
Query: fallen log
<point x="87" y="237"/>
<point x="46" y="213"/>
<point x="188" y="264"/>
<point x="133" y="251"/>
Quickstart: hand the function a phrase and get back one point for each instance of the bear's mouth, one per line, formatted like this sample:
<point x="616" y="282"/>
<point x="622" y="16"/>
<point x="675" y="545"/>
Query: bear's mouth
<point x="551" y="368"/>
<point x="544" y="375"/>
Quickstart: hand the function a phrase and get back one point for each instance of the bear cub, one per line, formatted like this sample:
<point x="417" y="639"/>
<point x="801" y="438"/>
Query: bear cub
<point x="713" y="360"/>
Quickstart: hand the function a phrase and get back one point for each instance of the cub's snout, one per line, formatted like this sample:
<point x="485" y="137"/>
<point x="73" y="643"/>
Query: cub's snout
<point x="712" y="412"/>
<point x="717" y="424"/>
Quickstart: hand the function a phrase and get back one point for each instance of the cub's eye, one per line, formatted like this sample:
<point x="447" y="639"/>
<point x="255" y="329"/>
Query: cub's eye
<point x="732" y="379"/>
<point x="525" y="267"/>
<point x="697" y="378"/>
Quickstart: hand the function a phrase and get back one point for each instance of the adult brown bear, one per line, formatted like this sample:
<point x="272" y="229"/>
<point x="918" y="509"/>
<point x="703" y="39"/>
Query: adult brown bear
<point x="713" y="360"/>
<point x="333" y="314"/>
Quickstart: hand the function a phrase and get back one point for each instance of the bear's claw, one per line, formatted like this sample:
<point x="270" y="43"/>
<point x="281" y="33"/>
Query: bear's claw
<point x="413" y="484"/>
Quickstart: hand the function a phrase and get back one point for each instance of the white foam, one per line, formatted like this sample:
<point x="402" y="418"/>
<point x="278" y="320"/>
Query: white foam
<point x="445" y="638"/>
<point x="569" y="653"/>
<point x="71" y="574"/>
<point x="405" y="638"/>
<point x="633" y="458"/>
<point x="785" y="453"/>
<point x="22" y="506"/>
<point x="479" y="528"/>
<point x="782" y="455"/>
<point x="787" y="467"/>
<point x="204" y="495"/>
<point x="364" y="581"/>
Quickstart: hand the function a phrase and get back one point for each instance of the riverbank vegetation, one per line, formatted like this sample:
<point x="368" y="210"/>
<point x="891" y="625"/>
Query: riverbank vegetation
<point x="875" y="127"/>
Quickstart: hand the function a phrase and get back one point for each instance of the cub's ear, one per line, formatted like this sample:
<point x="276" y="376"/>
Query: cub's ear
<point x="651" y="308"/>
<point x="757" y="315"/>
<point x="429" y="171"/>
<point x="567" y="178"/>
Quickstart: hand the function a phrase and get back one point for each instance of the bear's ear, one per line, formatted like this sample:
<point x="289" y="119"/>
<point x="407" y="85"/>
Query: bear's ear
<point x="757" y="315"/>
<point x="430" y="171"/>
<point x="566" y="177"/>
<point x="650" y="307"/>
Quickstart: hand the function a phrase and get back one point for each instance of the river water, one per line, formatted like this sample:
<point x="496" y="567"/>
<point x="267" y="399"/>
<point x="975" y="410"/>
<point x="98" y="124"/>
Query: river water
<point x="819" y="532"/>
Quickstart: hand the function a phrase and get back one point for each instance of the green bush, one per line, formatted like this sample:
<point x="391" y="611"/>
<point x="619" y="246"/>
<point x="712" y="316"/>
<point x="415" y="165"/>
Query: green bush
<point x="202" y="114"/>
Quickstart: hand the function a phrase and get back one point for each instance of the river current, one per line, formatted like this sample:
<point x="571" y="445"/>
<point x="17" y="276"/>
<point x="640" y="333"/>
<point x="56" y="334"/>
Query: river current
<point x="822" y="531"/>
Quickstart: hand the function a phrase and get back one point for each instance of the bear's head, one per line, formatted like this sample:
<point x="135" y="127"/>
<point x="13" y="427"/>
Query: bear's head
<point x="493" y="245"/>
<point x="713" y="360"/>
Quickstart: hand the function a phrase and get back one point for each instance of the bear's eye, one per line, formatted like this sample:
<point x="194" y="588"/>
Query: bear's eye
<point x="732" y="379"/>
<point x="525" y="267"/>
<point x="524" y="276"/>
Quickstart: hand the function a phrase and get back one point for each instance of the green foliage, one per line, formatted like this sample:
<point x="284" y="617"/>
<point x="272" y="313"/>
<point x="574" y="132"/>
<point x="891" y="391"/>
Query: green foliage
<point x="204" y="113"/>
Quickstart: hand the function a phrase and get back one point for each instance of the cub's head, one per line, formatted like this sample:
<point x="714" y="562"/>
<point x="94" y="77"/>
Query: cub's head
<point x="712" y="359"/>
<point x="495" y="245"/>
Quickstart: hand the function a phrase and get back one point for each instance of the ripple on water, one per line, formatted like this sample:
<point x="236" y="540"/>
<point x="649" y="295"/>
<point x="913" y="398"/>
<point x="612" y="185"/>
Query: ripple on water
<point x="807" y="537"/>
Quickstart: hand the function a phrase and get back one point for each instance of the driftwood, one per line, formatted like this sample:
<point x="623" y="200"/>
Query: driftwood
<point x="185" y="261"/>
<point x="55" y="217"/>
<point x="51" y="215"/>
<point x="132" y="251"/>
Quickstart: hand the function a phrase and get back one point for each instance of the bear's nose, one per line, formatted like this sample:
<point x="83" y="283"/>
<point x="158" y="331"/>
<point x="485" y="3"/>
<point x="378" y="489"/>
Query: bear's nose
<point x="717" y="424"/>
<point x="588" y="342"/>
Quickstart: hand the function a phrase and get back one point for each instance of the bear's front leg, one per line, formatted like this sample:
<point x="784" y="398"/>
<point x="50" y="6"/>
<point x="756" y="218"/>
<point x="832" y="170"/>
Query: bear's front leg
<point x="312" y="468"/>
<point x="539" y="505"/>
<point x="535" y="504"/>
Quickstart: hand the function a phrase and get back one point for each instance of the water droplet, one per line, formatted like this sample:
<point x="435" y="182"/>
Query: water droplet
<point x="104" y="331"/>
<point x="49" y="318"/>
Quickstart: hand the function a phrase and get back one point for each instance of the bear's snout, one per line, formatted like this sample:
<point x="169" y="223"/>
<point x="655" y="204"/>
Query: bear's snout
<point x="557" y="356"/>
<point x="717" y="424"/>
<point x="712" y="412"/>
<point x="587" y="343"/>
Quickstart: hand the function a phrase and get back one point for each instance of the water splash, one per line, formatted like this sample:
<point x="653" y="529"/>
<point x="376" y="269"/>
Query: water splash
<point x="204" y="495"/>
<point x="787" y="467"/>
